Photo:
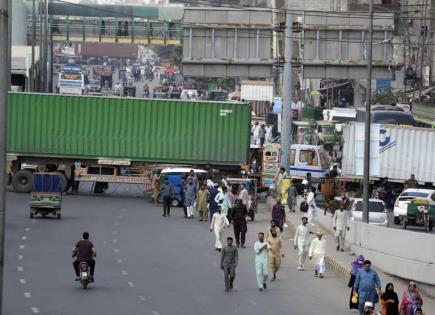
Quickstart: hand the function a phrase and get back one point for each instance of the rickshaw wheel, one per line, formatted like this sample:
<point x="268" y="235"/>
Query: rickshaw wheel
<point x="31" y="215"/>
<point x="58" y="216"/>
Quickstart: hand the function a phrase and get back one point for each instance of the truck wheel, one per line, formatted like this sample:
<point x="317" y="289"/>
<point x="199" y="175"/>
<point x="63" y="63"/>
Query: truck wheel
<point x="396" y="220"/>
<point x="430" y="226"/>
<point x="58" y="216"/>
<point x="22" y="182"/>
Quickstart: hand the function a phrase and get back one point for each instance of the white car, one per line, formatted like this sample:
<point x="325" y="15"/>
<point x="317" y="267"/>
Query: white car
<point x="408" y="195"/>
<point x="377" y="211"/>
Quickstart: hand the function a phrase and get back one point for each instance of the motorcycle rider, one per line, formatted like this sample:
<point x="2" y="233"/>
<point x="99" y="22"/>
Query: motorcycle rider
<point x="84" y="250"/>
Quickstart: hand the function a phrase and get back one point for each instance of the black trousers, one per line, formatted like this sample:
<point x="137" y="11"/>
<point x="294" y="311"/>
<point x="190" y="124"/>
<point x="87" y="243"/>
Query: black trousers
<point x="76" y="265"/>
<point x="240" y="232"/>
<point x="167" y="205"/>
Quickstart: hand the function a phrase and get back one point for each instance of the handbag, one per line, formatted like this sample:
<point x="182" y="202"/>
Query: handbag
<point x="304" y="206"/>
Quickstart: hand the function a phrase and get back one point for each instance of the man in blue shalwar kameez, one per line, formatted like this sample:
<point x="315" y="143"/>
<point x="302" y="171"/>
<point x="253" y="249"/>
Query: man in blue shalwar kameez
<point x="367" y="285"/>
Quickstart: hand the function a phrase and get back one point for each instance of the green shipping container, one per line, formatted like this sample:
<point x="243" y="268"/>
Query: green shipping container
<point x="148" y="130"/>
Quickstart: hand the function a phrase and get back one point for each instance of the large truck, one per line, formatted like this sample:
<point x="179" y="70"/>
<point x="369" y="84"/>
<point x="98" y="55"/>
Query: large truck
<point x="396" y="153"/>
<point x="111" y="139"/>
<point x="71" y="80"/>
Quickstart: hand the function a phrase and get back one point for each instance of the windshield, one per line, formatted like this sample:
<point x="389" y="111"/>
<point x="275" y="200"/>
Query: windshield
<point x="327" y="131"/>
<point x="71" y="76"/>
<point x="374" y="206"/>
<point x="414" y="194"/>
<point x="95" y="82"/>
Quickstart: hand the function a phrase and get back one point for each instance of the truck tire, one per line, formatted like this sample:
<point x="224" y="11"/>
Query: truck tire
<point x="22" y="182"/>
<point x="396" y="220"/>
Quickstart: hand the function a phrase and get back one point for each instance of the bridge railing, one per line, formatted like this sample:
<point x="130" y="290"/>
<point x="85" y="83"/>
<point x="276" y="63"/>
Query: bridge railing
<point x="139" y="31"/>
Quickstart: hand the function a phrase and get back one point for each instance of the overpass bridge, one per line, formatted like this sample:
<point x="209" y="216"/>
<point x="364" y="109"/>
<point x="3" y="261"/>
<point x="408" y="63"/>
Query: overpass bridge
<point x="121" y="24"/>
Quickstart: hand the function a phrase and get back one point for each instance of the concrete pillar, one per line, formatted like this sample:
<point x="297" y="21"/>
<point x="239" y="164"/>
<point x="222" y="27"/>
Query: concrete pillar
<point x="359" y="93"/>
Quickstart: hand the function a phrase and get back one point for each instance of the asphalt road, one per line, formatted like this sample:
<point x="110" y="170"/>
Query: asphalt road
<point x="146" y="264"/>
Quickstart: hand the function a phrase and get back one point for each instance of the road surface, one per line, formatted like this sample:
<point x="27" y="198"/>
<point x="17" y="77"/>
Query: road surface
<point x="146" y="264"/>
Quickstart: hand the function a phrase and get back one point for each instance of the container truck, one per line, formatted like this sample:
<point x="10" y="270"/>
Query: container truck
<point x="396" y="153"/>
<point x="111" y="139"/>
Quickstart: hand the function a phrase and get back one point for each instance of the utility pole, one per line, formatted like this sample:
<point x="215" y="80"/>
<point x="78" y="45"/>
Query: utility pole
<point x="32" y="70"/>
<point x="50" y="82"/>
<point x="41" y="48"/>
<point x="366" y="181"/>
<point x="4" y="87"/>
<point x="286" y="130"/>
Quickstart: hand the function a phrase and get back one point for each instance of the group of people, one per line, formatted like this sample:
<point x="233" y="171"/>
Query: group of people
<point x="365" y="287"/>
<point x="261" y="134"/>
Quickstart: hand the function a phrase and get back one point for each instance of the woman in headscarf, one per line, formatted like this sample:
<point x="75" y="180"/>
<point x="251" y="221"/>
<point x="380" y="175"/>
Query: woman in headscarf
<point x="411" y="300"/>
<point x="356" y="266"/>
<point x="390" y="301"/>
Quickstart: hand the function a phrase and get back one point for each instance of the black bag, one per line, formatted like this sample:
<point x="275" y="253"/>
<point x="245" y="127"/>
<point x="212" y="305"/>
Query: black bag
<point x="304" y="206"/>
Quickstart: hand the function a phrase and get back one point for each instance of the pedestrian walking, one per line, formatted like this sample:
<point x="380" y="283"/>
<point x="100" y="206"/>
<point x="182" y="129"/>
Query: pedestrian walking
<point x="275" y="252"/>
<point x="244" y="195"/>
<point x="368" y="308"/>
<point x="223" y="201"/>
<point x="194" y="178"/>
<point x="155" y="184"/>
<point x="212" y="204"/>
<point x="302" y="242"/>
<point x="312" y="207"/>
<point x="262" y="135"/>
<point x="292" y="197"/>
<point x="261" y="261"/>
<point x="277" y="180"/>
<point x="317" y="253"/>
<point x="269" y="133"/>
<point x="229" y="260"/>
<point x="411" y="299"/>
<point x="340" y="225"/>
<point x="255" y="132"/>
<point x="278" y="215"/>
<point x="390" y="301"/>
<point x="190" y="198"/>
<point x="356" y="266"/>
<point x="271" y="227"/>
<point x="238" y="218"/>
<point x="367" y="285"/>
<point x="202" y="203"/>
<point x="218" y="223"/>
<point x="167" y="192"/>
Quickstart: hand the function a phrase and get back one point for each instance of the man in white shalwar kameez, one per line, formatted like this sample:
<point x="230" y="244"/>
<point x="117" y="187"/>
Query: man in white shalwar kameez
<point x="218" y="223"/>
<point x="340" y="225"/>
<point x="261" y="249"/>
<point x="302" y="241"/>
<point x="317" y="254"/>
<point x="312" y="207"/>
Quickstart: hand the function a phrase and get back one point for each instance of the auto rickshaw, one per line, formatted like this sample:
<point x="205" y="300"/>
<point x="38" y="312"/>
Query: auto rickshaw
<point x="46" y="196"/>
<point x="419" y="213"/>
<point x="328" y="130"/>
<point x="251" y="186"/>
<point x="303" y="132"/>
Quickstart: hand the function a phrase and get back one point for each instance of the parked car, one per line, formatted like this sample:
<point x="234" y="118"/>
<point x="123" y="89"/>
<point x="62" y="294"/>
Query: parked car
<point x="93" y="87"/>
<point x="377" y="211"/>
<point x="408" y="195"/>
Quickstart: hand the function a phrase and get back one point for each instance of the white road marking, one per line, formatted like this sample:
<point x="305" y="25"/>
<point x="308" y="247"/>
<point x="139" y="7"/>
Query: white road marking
<point x="116" y="251"/>
<point x="119" y="260"/>
<point x="24" y="238"/>
<point x="35" y="310"/>
<point x="131" y="284"/>
<point x="141" y="297"/>
<point x="20" y="257"/>
<point x="156" y="313"/>
<point x="27" y="295"/>
<point x="23" y="281"/>
<point x="124" y="272"/>
<point x="115" y="241"/>
<point x="21" y="247"/>
<point x="20" y="268"/>
<point x="27" y="229"/>
<point x="252" y="302"/>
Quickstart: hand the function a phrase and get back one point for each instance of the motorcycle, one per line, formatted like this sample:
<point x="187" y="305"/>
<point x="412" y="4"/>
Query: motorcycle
<point x="85" y="275"/>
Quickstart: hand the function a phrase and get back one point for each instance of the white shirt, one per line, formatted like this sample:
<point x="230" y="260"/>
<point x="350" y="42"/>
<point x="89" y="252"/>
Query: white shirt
<point x="317" y="249"/>
<point x="311" y="200"/>
<point x="219" y="221"/>
<point x="302" y="234"/>
<point x="340" y="220"/>
<point x="264" y="253"/>
<point x="244" y="196"/>
<point x="269" y="133"/>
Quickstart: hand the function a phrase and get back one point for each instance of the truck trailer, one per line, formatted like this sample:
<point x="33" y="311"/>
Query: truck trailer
<point x="112" y="139"/>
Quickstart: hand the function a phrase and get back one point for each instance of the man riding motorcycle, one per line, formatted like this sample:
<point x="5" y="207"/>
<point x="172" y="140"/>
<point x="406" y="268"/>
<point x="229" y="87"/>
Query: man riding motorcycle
<point x="84" y="250"/>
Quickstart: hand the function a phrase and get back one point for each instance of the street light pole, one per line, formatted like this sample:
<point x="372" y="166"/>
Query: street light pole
<point x="4" y="87"/>
<point x="32" y="70"/>
<point x="286" y="130"/>
<point x="366" y="181"/>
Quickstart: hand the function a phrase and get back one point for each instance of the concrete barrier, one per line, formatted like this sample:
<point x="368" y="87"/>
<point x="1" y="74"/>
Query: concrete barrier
<point x="406" y="254"/>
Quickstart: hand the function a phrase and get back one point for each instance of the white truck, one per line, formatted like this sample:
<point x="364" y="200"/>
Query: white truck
<point x="396" y="152"/>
